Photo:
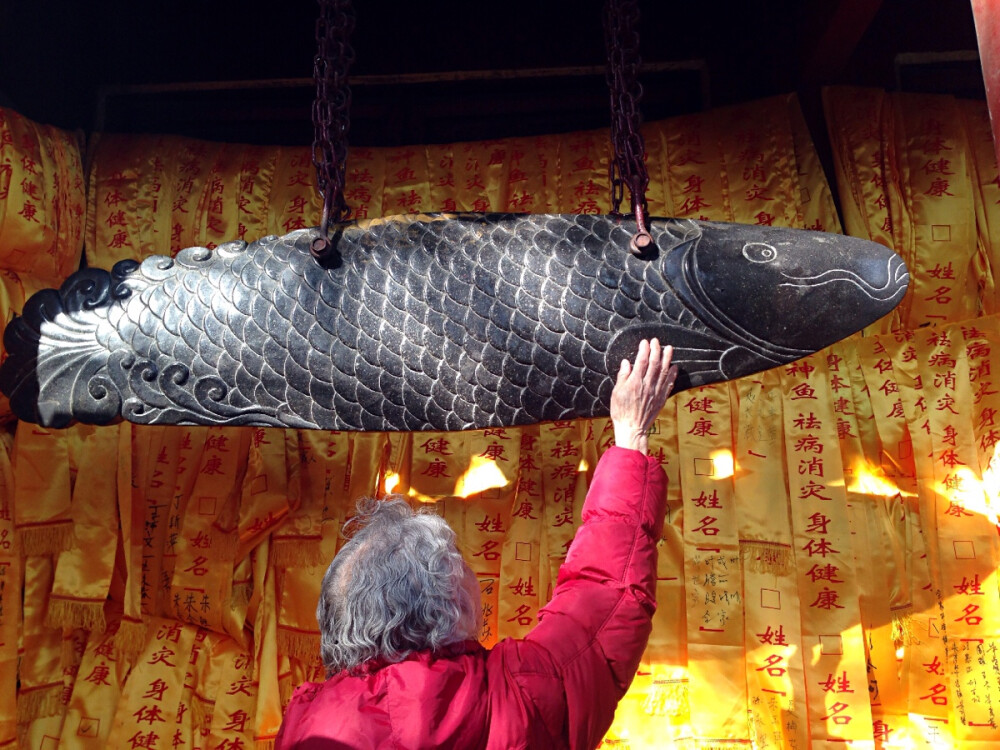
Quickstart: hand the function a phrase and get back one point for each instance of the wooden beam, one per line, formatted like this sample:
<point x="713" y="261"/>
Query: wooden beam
<point x="987" y="16"/>
<point x="835" y="46"/>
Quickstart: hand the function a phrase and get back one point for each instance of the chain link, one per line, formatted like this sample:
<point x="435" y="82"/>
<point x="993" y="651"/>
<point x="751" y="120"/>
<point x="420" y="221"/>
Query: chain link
<point x="628" y="165"/>
<point x="331" y="111"/>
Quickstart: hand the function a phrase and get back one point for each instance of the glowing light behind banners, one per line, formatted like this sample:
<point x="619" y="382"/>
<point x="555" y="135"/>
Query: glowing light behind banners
<point x="975" y="494"/>
<point x="723" y="465"/>
<point x="869" y="480"/>
<point x="483" y="474"/>
<point x="390" y="482"/>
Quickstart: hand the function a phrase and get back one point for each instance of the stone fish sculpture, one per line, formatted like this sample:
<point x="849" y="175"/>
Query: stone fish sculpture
<point x="433" y="322"/>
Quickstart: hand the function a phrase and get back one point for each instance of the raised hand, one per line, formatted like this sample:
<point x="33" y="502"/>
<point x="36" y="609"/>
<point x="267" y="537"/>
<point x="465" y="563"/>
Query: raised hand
<point x="640" y="393"/>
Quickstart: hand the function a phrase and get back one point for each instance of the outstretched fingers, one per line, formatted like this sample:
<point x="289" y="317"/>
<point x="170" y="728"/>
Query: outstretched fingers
<point x="623" y="372"/>
<point x="655" y="355"/>
<point x="642" y="360"/>
<point x="671" y="378"/>
<point x="668" y="372"/>
<point x="640" y="393"/>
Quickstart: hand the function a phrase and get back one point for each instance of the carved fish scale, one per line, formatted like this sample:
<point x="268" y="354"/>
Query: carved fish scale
<point x="443" y="322"/>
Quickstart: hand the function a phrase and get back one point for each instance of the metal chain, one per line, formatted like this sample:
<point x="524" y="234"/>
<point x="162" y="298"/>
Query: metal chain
<point x="627" y="166"/>
<point x="331" y="112"/>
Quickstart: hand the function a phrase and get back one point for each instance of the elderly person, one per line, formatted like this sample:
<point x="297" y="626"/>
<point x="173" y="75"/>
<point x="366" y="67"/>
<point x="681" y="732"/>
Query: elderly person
<point x="399" y="614"/>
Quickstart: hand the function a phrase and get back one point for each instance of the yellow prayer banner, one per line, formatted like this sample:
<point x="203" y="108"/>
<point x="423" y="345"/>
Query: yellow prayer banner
<point x="774" y="659"/>
<point x="564" y="488"/>
<point x="83" y="571"/>
<point x="10" y="601"/>
<point x="42" y="489"/>
<point x="267" y="714"/>
<point x="41" y="199"/>
<point x="147" y="714"/>
<point x="906" y="170"/>
<point x="825" y="557"/>
<point x="668" y="641"/>
<point x="986" y="195"/>
<point x="206" y="548"/>
<point x="713" y="579"/>
<point x="521" y="555"/>
<point x="232" y="719"/>
<point x="95" y="695"/>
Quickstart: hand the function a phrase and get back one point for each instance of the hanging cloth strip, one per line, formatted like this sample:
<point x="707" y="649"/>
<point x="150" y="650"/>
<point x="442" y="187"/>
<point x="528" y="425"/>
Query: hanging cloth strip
<point x="10" y="599"/>
<point x="83" y="571"/>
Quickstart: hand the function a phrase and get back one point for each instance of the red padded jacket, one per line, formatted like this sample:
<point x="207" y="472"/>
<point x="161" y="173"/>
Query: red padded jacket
<point x="556" y="688"/>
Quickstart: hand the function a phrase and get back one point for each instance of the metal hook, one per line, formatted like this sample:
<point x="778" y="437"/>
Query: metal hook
<point x="321" y="248"/>
<point x="642" y="239"/>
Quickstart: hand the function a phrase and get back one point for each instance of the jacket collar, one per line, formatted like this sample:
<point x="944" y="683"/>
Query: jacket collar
<point x="452" y="650"/>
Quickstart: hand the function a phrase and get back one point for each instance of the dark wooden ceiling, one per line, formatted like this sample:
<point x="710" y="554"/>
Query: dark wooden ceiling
<point x="60" y="59"/>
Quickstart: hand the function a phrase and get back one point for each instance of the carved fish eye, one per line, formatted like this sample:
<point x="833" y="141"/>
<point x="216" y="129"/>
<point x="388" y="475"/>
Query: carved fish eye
<point x="759" y="252"/>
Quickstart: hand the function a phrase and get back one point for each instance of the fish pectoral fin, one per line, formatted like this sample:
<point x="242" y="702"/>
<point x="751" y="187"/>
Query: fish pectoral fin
<point x="737" y="362"/>
<point x="697" y="354"/>
<point x="702" y="357"/>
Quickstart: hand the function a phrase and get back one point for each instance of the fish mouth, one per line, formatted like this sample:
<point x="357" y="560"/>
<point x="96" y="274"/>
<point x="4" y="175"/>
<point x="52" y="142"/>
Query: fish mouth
<point x="897" y="279"/>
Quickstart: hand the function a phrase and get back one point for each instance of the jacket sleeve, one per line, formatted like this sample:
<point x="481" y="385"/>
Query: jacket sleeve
<point x="598" y="622"/>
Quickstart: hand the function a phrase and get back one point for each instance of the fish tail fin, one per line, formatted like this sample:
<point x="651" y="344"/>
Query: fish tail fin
<point x="56" y="369"/>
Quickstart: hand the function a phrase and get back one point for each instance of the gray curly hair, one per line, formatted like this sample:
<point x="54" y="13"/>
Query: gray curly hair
<point x="397" y="586"/>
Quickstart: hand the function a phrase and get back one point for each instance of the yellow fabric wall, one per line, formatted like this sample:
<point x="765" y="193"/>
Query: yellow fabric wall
<point x="828" y="566"/>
